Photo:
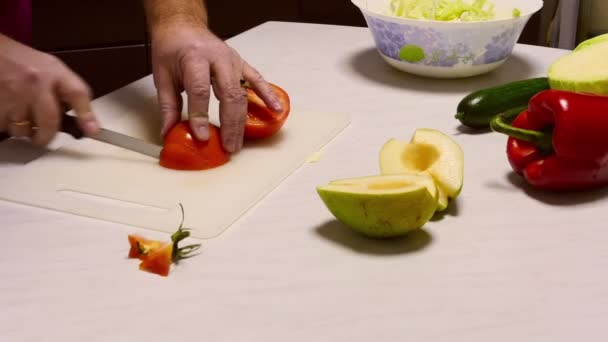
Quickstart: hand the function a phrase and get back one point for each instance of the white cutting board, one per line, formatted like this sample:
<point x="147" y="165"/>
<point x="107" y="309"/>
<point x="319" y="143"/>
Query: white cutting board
<point x="133" y="189"/>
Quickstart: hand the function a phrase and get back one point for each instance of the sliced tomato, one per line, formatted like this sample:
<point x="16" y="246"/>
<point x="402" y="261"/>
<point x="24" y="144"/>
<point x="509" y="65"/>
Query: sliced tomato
<point x="262" y="122"/>
<point x="159" y="260"/>
<point x="141" y="247"/>
<point x="182" y="151"/>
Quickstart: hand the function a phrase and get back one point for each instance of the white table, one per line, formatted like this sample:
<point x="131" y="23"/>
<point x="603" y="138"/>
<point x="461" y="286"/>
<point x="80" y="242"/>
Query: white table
<point x="503" y="265"/>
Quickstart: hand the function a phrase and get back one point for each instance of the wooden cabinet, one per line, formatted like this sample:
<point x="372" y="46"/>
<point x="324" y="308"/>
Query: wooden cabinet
<point x="229" y="18"/>
<point x="81" y="24"/>
<point x="103" y="41"/>
<point x="337" y="12"/>
<point x="107" y="69"/>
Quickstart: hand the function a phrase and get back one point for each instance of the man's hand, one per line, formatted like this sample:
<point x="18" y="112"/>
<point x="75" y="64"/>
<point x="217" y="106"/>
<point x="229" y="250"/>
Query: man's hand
<point x="186" y="56"/>
<point x="32" y="87"/>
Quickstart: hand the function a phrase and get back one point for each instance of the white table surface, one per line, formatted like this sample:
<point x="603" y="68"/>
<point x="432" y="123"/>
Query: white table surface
<point x="504" y="264"/>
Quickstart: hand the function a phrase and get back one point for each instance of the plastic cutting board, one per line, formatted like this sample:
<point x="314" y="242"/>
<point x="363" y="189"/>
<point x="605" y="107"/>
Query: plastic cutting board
<point x="97" y="180"/>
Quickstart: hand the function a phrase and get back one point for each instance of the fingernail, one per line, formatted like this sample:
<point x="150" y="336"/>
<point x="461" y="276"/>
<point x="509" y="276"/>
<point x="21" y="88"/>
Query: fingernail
<point x="202" y="132"/>
<point x="164" y="129"/>
<point x="237" y="146"/>
<point x="276" y="106"/>
<point x="92" y="126"/>
<point x="229" y="145"/>
<point x="241" y="140"/>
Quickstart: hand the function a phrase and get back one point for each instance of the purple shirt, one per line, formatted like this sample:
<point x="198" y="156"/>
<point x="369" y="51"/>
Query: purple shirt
<point x="16" y="19"/>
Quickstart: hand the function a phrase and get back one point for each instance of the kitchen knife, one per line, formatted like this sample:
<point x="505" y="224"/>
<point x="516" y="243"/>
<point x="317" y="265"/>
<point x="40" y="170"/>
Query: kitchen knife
<point x="70" y="126"/>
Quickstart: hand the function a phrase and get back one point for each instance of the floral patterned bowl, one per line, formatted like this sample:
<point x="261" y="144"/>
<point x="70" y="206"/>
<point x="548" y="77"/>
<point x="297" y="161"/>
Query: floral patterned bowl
<point x="447" y="49"/>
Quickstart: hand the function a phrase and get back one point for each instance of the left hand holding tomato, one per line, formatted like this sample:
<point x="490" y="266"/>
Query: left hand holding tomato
<point x="189" y="57"/>
<point x="183" y="152"/>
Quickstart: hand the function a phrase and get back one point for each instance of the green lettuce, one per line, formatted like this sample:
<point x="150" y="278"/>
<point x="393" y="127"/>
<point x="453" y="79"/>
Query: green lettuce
<point x="445" y="10"/>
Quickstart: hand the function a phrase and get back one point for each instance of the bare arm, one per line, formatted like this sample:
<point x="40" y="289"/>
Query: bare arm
<point x="161" y="12"/>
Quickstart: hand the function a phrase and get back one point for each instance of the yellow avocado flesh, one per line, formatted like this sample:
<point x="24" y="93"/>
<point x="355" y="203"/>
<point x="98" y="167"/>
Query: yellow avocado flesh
<point x="381" y="206"/>
<point x="429" y="151"/>
<point x="442" y="200"/>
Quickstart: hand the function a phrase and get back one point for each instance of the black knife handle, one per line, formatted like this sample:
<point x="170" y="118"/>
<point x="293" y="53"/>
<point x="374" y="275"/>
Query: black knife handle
<point x="69" y="125"/>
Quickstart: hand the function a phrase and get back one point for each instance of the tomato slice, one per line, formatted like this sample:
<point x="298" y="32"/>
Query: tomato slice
<point x="262" y="122"/>
<point x="181" y="151"/>
<point x="141" y="247"/>
<point x="159" y="260"/>
<point x="156" y="256"/>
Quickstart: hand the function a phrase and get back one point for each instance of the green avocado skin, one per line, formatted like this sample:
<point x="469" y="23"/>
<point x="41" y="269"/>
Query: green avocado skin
<point x="592" y="41"/>
<point x="589" y="78"/>
<point x="380" y="216"/>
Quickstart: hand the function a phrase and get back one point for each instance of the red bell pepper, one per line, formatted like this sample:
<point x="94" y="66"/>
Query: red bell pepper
<point x="560" y="142"/>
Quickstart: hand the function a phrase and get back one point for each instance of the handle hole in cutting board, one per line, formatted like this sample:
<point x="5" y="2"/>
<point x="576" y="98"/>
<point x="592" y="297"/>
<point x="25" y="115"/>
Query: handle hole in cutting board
<point x="110" y="201"/>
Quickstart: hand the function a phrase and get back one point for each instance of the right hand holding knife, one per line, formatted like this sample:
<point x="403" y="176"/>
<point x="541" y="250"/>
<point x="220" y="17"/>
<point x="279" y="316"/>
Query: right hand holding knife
<point x="33" y="85"/>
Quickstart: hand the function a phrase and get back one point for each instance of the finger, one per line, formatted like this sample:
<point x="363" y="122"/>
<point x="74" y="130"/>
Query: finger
<point x="233" y="105"/>
<point x="169" y="100"/>
<point x="238" y="65"/>
<point x="262" y="88"/>
<point x="72" y="90"/>
<point x="5" y="114"/>
<point x="20" y="124"/>
<point x="3" y="122"/>
<point x="20" y="121"/>
<point x="45" y="114"/>
<point x="197" y="84"/>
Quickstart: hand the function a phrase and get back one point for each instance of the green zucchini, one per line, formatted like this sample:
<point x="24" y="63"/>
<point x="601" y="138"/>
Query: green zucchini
<point x="477" y="109"/>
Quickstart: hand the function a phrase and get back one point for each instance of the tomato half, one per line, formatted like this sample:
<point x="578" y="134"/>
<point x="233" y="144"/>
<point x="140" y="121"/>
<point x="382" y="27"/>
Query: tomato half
<point x="182" y="151"/>
<point x="262" y="122"/>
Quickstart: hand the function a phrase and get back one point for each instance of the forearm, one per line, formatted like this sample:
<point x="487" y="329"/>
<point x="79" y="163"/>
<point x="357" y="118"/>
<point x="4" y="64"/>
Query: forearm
<point x="161" y="13"/>
<point x="6" y="40"/>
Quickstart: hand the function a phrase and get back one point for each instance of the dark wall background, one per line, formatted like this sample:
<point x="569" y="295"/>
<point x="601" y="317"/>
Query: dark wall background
<point x="106" y="41"/>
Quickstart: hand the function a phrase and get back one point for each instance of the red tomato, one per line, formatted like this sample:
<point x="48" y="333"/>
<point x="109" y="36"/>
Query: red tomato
<point x="181" y="151"/>
<point x="261" y="121"/>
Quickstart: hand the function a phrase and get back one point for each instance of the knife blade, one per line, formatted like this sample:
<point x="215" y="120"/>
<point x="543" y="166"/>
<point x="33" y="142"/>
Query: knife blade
<point x="128" y="142"/>
<point x="69" y="125"/>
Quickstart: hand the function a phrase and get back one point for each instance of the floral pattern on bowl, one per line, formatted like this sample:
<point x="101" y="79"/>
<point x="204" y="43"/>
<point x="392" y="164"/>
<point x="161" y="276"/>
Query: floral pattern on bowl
<point x="434" y="47"/>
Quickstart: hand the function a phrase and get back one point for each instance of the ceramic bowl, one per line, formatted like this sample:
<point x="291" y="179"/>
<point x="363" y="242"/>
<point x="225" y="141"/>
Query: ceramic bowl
<point x="443" y="49"/>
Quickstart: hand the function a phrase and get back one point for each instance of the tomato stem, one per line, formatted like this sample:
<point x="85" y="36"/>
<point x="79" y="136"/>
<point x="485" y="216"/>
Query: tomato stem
<point x="179" y="235"/>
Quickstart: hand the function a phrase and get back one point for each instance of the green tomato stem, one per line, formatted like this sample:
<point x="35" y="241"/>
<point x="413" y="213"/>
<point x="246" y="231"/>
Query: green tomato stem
<point x="182" y="233"/>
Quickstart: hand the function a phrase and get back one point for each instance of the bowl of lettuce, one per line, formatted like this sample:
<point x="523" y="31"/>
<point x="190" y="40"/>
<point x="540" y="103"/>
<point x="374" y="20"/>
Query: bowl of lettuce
<point x="446" y="38"/>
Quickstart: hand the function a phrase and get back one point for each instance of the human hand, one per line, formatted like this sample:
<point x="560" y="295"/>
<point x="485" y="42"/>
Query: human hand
<point x="33" y="85"/>
<point x="191" y="58"/>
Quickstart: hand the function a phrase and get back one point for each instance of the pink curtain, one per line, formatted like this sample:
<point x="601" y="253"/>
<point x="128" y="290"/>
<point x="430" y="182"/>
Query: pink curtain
<point x="16" y="19"/>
